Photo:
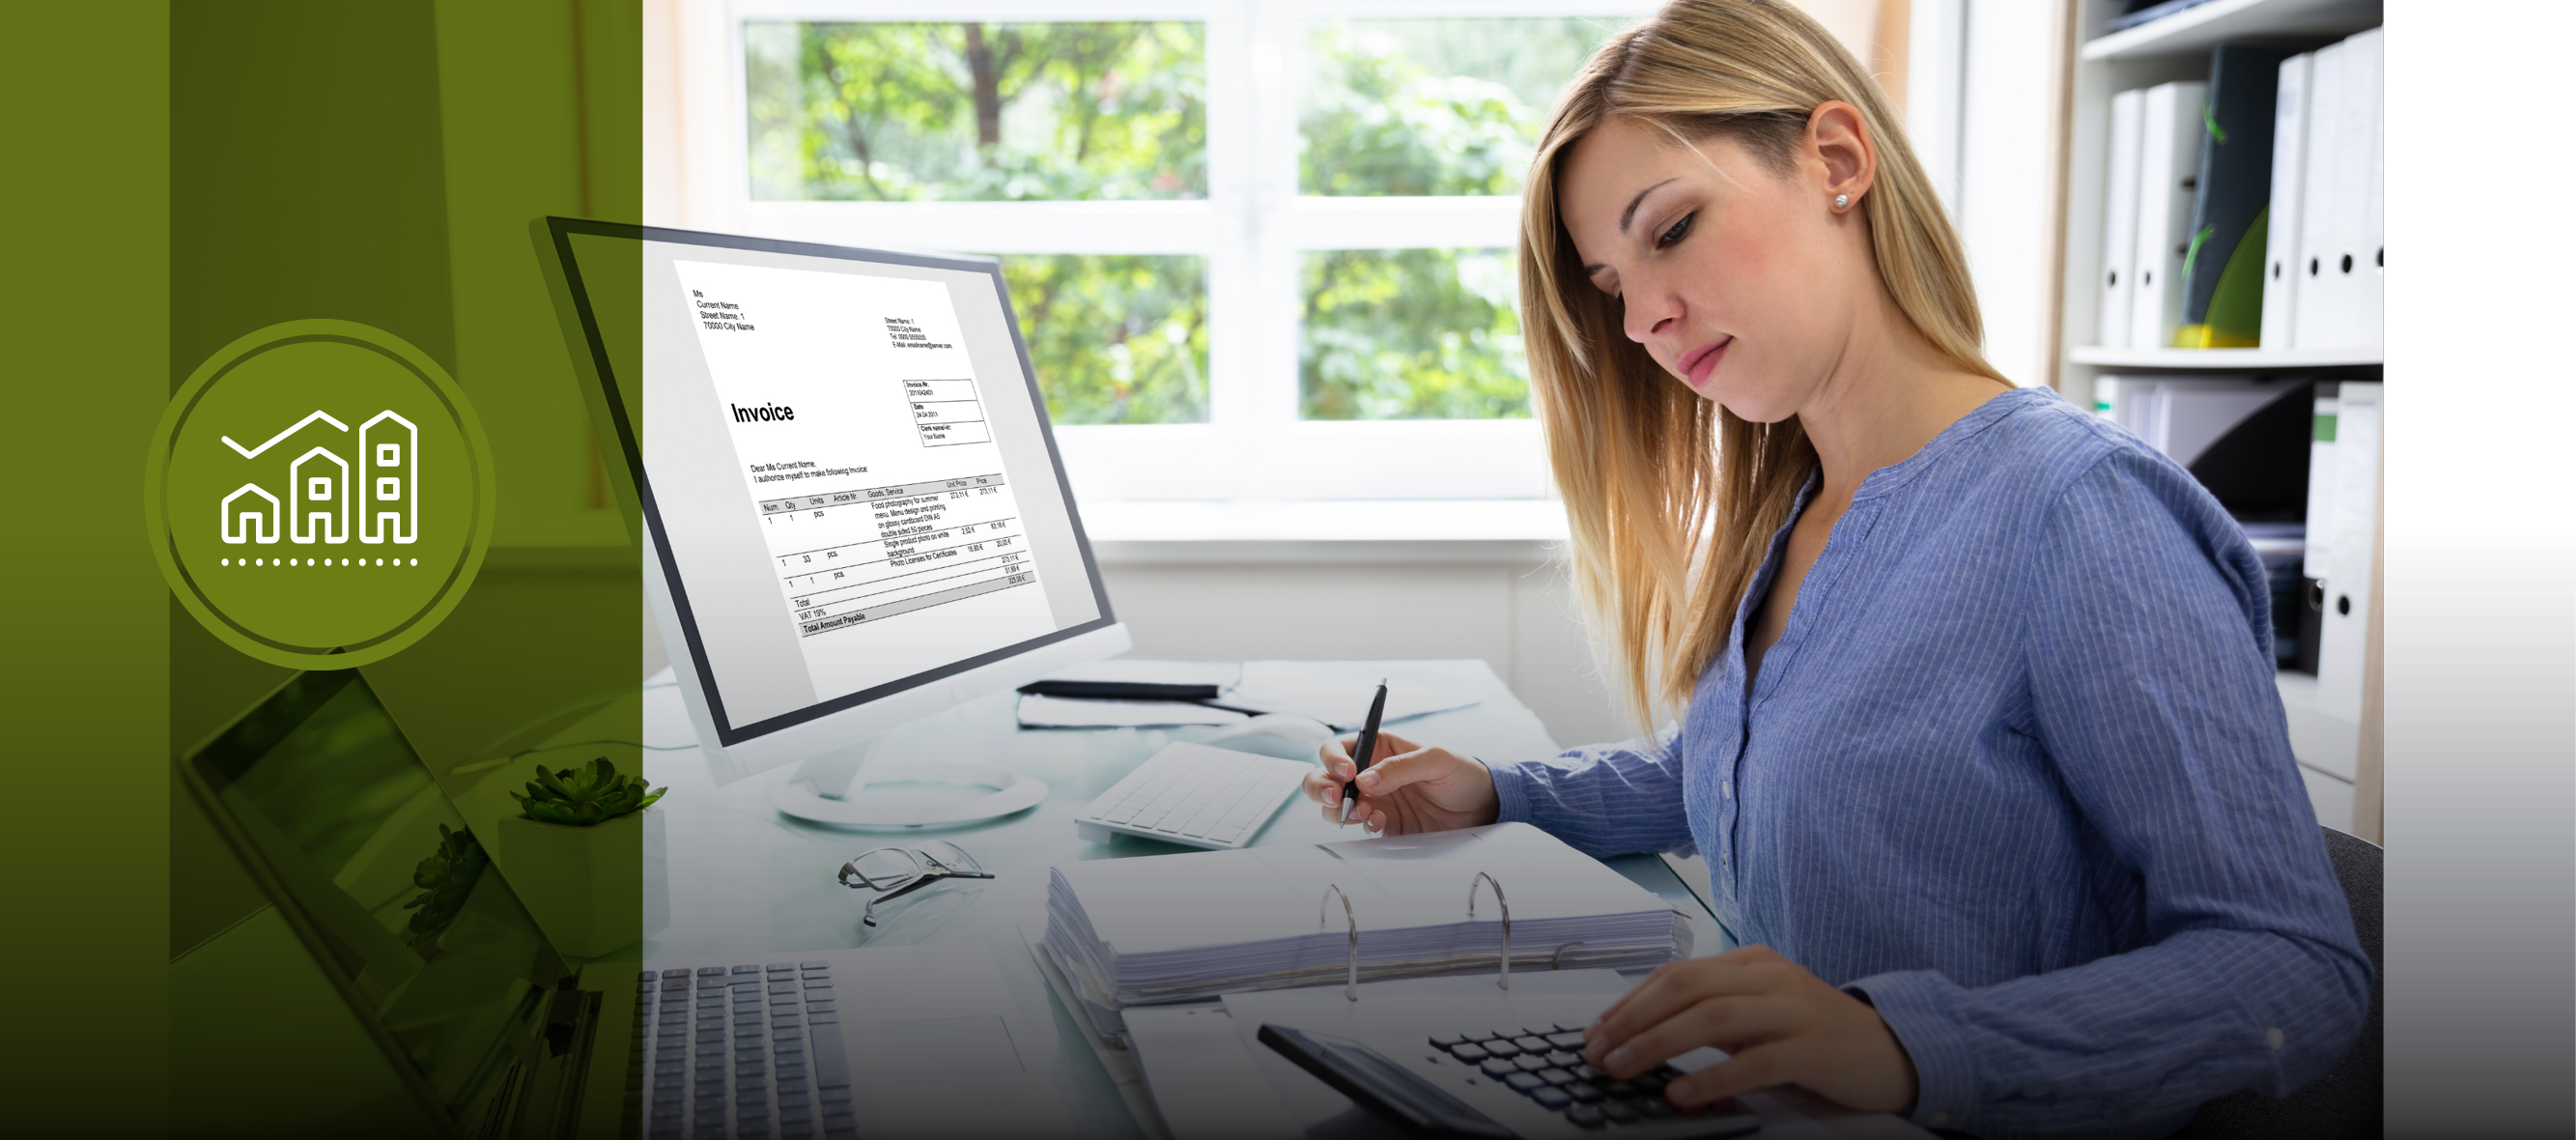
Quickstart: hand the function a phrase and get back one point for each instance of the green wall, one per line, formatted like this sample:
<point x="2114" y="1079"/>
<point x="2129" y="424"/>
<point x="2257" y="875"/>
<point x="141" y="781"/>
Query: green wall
<point x="180" y="175"/>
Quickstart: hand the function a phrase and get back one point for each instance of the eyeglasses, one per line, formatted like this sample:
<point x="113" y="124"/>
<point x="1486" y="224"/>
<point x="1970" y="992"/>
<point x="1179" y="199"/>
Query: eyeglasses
<point x="899" y="871"/>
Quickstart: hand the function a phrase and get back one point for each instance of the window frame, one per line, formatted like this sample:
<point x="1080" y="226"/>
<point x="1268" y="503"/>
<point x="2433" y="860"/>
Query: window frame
<point x="1253" y="229"/>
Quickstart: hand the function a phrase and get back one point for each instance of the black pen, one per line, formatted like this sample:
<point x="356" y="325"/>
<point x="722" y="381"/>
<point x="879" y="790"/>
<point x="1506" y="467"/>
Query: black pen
<point x="1360" y="755"/>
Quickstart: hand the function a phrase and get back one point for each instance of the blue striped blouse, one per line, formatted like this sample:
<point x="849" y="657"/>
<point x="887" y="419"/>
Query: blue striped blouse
<point x="2017" y="774"/>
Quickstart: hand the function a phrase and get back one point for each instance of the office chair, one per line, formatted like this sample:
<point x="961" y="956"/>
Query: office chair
<point x="2345" y="1101"/>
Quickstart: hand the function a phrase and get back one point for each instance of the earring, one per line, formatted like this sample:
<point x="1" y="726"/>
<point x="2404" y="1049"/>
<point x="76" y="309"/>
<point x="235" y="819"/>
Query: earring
<point x="1841" y="200"/>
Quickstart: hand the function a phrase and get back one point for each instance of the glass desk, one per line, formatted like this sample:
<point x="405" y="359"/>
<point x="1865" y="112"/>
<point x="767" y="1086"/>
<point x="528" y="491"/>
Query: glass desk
<point x="745" y="879"/>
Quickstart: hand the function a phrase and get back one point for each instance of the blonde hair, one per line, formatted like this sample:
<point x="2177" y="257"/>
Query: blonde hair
<point x="1671" y="499"/>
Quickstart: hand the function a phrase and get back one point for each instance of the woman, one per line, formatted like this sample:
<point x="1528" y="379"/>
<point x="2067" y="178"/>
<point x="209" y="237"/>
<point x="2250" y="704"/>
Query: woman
<point x="1977" y="729"/>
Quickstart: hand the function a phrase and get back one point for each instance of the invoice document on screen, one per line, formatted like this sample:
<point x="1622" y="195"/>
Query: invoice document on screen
<point x="859" y="424"/>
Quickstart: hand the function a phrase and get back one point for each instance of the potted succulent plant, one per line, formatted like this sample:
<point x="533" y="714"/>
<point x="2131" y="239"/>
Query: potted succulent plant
<point x="577" y="855"/>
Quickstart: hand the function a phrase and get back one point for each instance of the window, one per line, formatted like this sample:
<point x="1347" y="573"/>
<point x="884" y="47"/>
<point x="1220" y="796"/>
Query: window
<point x="1259" y="250"/>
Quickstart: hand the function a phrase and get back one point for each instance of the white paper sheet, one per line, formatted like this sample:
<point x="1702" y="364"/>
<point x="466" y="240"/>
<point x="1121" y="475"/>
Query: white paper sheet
<point x="1338" y="699"/>
<point x="1037" y="711"/>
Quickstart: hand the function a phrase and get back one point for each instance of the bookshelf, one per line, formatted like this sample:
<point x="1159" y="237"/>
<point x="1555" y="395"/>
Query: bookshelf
<point x="2099" y="65"/>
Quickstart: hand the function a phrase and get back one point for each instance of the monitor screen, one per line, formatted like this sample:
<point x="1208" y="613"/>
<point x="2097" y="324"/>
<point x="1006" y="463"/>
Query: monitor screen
<point x="846" y="466"/>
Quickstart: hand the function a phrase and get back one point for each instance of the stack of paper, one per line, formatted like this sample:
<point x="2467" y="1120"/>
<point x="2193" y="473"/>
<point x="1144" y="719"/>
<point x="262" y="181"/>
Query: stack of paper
<point x="1177" y="928"/>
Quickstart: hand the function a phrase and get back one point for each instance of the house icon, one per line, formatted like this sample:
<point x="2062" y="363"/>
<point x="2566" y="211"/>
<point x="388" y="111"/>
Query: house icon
<point x="310" y="484"/>
<point x="389" y="476"/>
<point x="247" y="524"/>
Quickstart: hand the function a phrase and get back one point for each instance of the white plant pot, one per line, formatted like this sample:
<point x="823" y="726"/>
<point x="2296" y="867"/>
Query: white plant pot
<point x="591" y="889"/>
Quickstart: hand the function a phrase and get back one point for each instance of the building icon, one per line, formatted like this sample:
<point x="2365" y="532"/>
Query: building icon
<point x="318" y="498"/>
<point x="389" y="477"/>
<point x="324" y="498"/>
<point x="248" y="524"/>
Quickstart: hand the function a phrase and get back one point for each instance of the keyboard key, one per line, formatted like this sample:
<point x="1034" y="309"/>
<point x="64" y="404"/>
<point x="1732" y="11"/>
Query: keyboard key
<point x="795" y="1116"/>
<point x="675" y="973"/>
<point x="1470" y="1053"/>
<point x="1562" y="1027"/>
<point x="1501" y="1047"/>
<point x="1523" y="1082"/>
<point x="1563" y="1059"/>
<point x="1532" y="1062"/>
<point x="1652" y="1107"/>
<point x="1584" y="1115"/>
<point x="816" y="965"/>
<point x="1619" y="1111"/>
<point x="823" y="1006"/>
<point x="815" y="983"/>
<point x="711" y="971"/>
<point x="822" y="1019"/>
<point x="1619" y="1088"/>
<point x="1583" y="1093"/>
<point x="779" y="987"/>
<point x="1556" y="1076"/>
<point x="836" y="1096"/>
<point x="746" y="970"/>
<point x="1550" y="1098"/>
<point x="831" y="1065"/>
<point x="1531" y="1044"/>
<point x="1568" y="1041"/>
<point x="1498" y="1068"/>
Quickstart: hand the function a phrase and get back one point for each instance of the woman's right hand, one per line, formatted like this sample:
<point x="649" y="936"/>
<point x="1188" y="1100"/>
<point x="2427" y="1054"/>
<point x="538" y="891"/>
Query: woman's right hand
<point x="1411" y="789"/>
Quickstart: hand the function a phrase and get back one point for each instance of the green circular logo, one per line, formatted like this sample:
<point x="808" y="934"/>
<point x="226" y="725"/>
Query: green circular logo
<point x="319" y="494"/>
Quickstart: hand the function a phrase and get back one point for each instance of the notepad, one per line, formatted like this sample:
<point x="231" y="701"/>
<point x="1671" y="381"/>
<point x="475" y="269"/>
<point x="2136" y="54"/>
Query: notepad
<point x="1177" y="928"/>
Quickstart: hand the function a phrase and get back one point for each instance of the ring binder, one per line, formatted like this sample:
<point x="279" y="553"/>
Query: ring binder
<point x="1558" y="962"/>
<point x="1351" y="988"/>
<point x="1505" y="980"/>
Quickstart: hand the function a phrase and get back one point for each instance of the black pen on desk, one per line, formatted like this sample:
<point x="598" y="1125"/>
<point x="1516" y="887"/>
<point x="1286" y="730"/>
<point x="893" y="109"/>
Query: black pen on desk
<point x="1360" y="754"/>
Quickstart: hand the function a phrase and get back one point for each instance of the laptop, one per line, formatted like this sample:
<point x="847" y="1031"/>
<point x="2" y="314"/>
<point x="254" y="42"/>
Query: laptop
<point x="496" y="1034"/>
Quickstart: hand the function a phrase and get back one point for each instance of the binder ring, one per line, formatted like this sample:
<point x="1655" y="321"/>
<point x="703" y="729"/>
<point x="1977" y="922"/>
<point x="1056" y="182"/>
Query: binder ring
<point x="1350" y="988"/>
<point x="1505" y="980"/>
<point x="1558" y="962"/>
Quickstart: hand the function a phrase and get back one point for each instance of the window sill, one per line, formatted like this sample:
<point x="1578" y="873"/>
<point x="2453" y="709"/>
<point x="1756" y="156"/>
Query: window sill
<point x="1358" y="530"/>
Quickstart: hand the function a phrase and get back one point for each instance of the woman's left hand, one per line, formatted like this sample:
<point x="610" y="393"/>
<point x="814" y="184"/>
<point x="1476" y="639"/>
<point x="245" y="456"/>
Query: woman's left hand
<point x="1781" y="1025"/>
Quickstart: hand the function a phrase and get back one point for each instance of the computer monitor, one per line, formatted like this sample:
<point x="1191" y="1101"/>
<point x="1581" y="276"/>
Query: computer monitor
<point x="840" y="462"/>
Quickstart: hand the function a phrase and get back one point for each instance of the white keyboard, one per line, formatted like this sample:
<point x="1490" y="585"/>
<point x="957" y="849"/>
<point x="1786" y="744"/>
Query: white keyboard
<point x="1195" y="795"/>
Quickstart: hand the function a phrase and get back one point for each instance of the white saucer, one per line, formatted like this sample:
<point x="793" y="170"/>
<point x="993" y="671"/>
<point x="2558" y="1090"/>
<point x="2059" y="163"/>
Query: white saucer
<point x="1011" y="792"/>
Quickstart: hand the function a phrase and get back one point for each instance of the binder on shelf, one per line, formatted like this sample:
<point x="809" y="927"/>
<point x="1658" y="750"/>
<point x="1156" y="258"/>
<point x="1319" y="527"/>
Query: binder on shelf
<point x="2168" y="175"/>
<point x="2346" y="630"/>
<point x="2366" y="72"/>
<point x="2321" y="483"/>
<point x="2120" y="219"/>
<point x="2227" y="242"/>
<point x="2289" y="165"/>
<point x="2313" y="309"/>
<point x="2119" y="398"/>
